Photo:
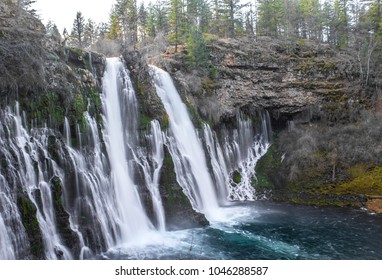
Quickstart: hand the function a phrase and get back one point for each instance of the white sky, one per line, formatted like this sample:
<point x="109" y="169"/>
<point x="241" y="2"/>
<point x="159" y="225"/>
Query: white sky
<point x="63" y="12"/>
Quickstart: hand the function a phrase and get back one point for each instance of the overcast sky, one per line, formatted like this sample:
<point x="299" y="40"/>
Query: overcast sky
<point x="63" y="12"/>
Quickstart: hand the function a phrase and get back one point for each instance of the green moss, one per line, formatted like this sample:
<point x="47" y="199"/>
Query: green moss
<point x="262" y="181"/>
<point x="56" y="192"/>
<point x="323" y="201"/>
<point x="52" y="56"/>
<point x="144" y="121"/>
<point x="174" y="198"/>
<point x="194" y="115"/>
<point x="139" y="87"/>
<point x="266" y="167"/>
<point x="95" y="102"/>
<point x="209" y="85"/>
<point x="77" y="51"/>
<point x="236" y="177"/>
<point x="364" y="181"/>
<point x="325" y="65"/>
<point x="314" y="64"/>
<point x="45" y="108"/>
<point x="332" y="93"/>
<point x="4" y="163"/>
<point x="31" y="225"/>
<point x="322" y="87"/>
<point x="213" y="72"/>
<point x="165" y="121"/>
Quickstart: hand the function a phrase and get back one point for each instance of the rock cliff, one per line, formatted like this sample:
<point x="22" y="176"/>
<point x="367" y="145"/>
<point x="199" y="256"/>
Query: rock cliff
<point x="286" y="78"/>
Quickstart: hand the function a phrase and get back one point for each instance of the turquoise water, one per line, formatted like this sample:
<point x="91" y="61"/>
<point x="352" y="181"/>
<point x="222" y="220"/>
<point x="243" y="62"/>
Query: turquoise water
<point x="267" y="230"/>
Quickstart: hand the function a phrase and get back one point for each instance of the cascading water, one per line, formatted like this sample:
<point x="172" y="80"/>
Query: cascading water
<point x="120" y="122"/>
<point x="98" y="190"/>
<point x="234" y="165"/>
<point x="91" y="200"/>
<point x="67" y="132"/>
<point x="31" y="167"/>
<point x="13" y="244"/>
<point x="186" y="149"/>
<point x="152" y="171"/>
<point x="102" y="177"/>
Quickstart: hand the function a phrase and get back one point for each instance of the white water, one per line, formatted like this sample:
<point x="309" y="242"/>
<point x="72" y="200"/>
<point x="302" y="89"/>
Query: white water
<point x="243" y="147"/>
<point x="91" y="201"/>
<point x="27" y="151"/>
<point x="117" y="88"/>
<point x="12" y="243"/>
<point x="151" y="164"/>
<point x="186" y="149"/>
<point x="67" y="132"/>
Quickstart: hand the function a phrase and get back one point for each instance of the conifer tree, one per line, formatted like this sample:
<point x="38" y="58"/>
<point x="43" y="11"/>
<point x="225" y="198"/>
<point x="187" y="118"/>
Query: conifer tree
<point x="175" y="20"/>
<point x="271" y="17"/>
<point x="115" y="32"/>
<point x="197" y="53"/>
<point x="89" y="33"/>
<point x="142" y="21"/>
<point x="77" y="34"/>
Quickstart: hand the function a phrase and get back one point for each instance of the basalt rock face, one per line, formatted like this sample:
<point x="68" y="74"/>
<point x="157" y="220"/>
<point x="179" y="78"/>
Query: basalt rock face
<point x="150" y="105"/>
<point x="289" y="79"/>
<point x="20" y="50"/>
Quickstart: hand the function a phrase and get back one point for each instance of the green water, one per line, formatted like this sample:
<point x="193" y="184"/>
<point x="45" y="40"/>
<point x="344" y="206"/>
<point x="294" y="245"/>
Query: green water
<point x="269" y="231"/>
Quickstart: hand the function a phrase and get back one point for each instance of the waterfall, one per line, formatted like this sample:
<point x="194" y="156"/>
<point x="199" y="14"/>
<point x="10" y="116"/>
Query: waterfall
<point x="119" y="106"/>
<point x="151" y="164"/>
<point x="13" y="244"/>
<point x="87" y="192"/>
<point x="30" y="165"/>
<point x="67" y="134"/>
<point x="234" y="165"/>
<point x="186" y="149"/>
<point x="218" y="163"/>
<point x="91" y="200"/>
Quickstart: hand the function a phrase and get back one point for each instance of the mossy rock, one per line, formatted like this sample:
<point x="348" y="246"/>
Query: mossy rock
<point x="62" y="217"/>
<point x="365" y="180"/>
<point x="266" y="168"/>
<point x="29" y="219"/>
<point x="178" y="210"/>
<point x="236" y="177"/>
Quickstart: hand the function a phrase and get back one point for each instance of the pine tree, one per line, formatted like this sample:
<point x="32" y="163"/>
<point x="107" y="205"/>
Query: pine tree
<point x="159" y="14"/>
<point x="151" y="24"/>
<point x="341" y="21"/>
<point x="77" y="34"/>
<point x="197" y="53"/>
<point x="127" y="14"/>
<point x="249" y="22"/>
<point x="115" y="32"/>
<point x="271" y="17"/>
<point x="204" y="16"/>
<point x="27" y="6"/>
<point x="89" y="33"/>
<point x="102" y="30"/>
<point x="175" y="20"/>
<point x="142" y="21"/>
<point x="52" y="31"/>
<point x="230" y="9"/>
